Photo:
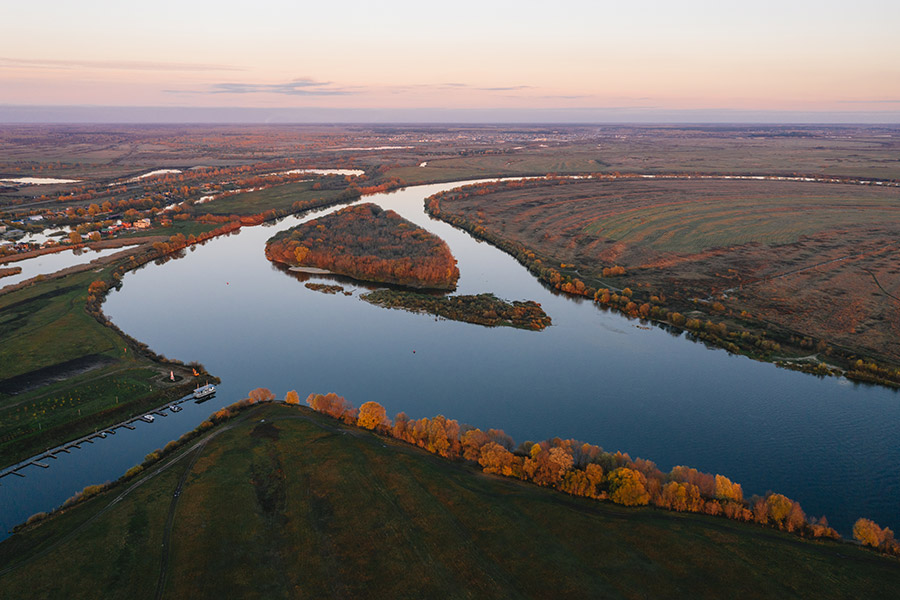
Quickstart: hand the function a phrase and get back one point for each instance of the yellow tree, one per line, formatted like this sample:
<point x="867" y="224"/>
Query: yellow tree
<point x="627" y="487"/>
<point x="292" y="397"/>
<point x="372" y="415"/>
<point x="868" y="533"/>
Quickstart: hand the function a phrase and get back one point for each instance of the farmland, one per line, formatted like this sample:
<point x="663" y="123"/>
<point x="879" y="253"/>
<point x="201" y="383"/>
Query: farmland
<point x="817" y="260"/>
<point x="274" y="505"/>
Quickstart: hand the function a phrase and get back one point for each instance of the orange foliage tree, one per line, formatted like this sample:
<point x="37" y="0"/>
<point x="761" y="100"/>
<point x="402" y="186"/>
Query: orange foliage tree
<point x="260" y="394"/>
<point x="373" y="416"/>
<point x="628" y="487"/>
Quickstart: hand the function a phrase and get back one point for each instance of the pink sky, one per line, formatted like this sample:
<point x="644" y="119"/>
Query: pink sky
<point x="664" y="56"/>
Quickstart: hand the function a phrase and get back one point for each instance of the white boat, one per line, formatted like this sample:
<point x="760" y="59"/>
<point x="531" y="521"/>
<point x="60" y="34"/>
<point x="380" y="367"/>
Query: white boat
<point x="147" y="418"/>
<point x="204" y="391"/>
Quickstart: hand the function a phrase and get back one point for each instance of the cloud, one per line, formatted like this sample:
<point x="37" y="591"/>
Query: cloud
<point x="566" y="96"/>
<point x="297" y="87"/>
<point x="511" y="88"/>
<point x="120" y="65"/>
<point x="460" y="86"/>
<point x="869" y="101"/>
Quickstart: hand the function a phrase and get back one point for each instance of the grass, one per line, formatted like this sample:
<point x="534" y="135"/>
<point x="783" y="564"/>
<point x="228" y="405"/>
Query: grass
<point x="48" y="327"/>
<point x="697" y="218"/>
<point x="288" y="503"/>
<point x="279" y="197"/>
<point x="125" y="543"/>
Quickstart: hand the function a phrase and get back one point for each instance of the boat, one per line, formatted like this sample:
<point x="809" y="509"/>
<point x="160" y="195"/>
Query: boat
<point x="148" y="418"/>
<point x="204" y="391"/>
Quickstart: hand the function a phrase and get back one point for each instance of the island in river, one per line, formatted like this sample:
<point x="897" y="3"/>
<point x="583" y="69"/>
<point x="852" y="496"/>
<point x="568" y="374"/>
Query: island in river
<point x="481" y="309"/>
<point x="368" y="243"/>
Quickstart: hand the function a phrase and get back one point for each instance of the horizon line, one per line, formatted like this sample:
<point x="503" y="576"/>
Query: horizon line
<point x="62" y="114"/>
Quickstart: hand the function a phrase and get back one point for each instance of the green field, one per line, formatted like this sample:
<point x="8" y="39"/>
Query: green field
<point x="287" y="503"/>
<point x="50" y="328"/>
<point x="279" y="197"/>
<point x="49" y="325"/>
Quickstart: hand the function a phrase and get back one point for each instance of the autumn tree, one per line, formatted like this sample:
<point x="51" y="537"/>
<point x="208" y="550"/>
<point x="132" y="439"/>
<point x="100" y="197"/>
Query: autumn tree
<point x="373" y="416"/>
<point x="627" y="486"/>
<point x="547" y="466"/>
<point x="497" y="459"/>
<point x="868" y="533"/>
<point x="726" y="490"/>
<point x="471" y="443"/>
<point x="583" y="482"/>
<point x="292" y="397"/>
<point x="332" y="405"/>
<point x="260" y="394"/>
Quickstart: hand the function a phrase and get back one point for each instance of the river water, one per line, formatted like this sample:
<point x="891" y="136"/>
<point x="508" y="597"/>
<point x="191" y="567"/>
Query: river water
<point x="594" y="376"/>
<point x="45" y="264"/>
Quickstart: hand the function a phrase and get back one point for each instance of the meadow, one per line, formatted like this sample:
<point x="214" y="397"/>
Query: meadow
<point x="814" y="260"/>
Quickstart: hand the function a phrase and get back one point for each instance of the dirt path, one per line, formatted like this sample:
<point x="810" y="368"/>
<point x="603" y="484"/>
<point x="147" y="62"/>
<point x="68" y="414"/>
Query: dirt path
<point x="197" y="450"/>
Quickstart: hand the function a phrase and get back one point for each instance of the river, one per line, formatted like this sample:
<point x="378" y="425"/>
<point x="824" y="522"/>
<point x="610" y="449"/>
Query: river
<point x="593" y="376"/>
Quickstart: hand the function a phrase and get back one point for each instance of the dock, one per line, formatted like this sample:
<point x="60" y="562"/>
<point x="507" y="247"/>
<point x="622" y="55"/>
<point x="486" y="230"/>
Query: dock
<point x="42" y="460"/>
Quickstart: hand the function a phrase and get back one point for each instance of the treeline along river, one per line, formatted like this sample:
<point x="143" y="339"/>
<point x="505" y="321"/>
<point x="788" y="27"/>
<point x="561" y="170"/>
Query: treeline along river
<point x="592" y="375"/>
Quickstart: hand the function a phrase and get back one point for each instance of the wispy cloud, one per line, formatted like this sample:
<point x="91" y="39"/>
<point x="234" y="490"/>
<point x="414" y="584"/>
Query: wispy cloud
<point x="119" y="65"/>
<point x="460" y="86"/>
<point x="297" y="87"/>
<point x="565" y="96"/>
<point x="510" y="88"/>
<point x="869" y="101"/>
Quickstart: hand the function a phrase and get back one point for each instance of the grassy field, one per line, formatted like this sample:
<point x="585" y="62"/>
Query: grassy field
<point x="279" y="197"/>
<point x="65" y="374"/>
<point x="812" y="258"/>
<point x="40" y="319"/>
<point x="287" y="503"/>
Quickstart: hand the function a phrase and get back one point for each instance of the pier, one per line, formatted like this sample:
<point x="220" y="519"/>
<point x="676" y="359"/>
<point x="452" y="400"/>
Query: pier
<point x="67" y="447"/>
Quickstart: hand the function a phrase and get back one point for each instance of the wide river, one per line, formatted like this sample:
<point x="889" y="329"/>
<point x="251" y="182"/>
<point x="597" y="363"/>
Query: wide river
<point x="594" y="376"/>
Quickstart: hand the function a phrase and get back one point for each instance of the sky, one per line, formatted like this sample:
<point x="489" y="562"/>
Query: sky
<point x="639" y="60"/>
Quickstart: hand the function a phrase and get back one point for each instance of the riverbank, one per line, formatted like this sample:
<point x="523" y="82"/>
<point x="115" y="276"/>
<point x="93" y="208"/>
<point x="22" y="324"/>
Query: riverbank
<point x="279" y="463"/>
